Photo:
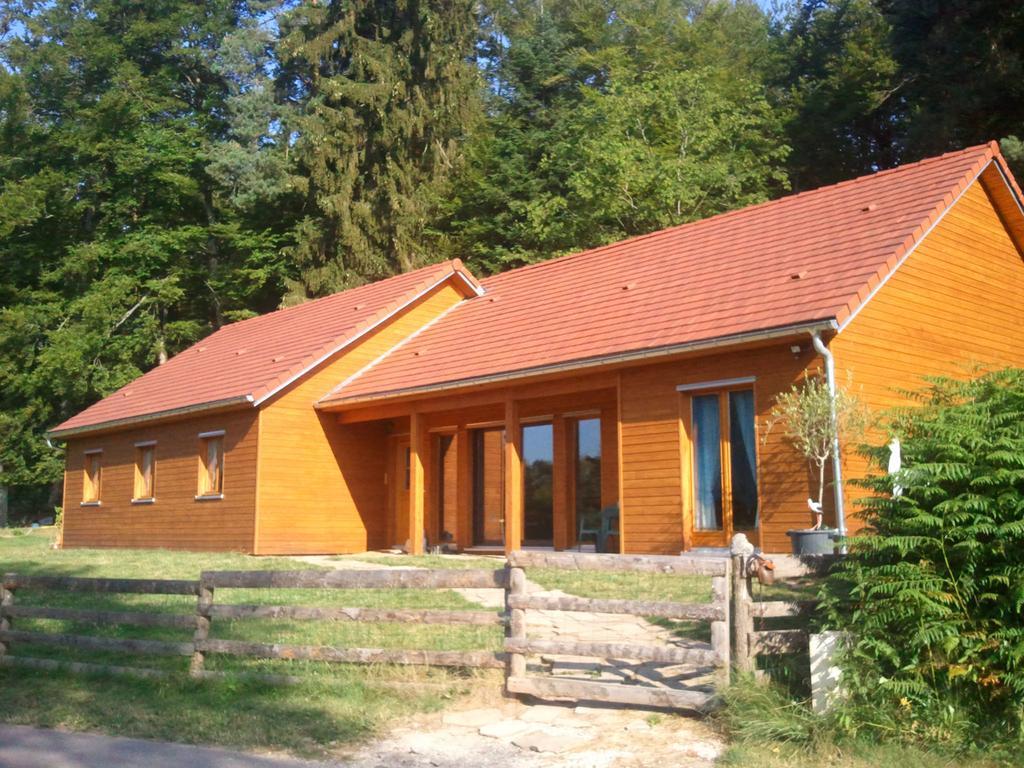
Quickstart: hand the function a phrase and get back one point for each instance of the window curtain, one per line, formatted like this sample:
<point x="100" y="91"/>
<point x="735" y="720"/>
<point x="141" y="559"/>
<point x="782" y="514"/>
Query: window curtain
<point x="744" y="460"/>
<point x="708" y="462"/>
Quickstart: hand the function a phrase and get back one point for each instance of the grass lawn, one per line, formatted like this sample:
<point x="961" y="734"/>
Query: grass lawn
<point x="434" y="562"/>
<point x="333" y="706"/>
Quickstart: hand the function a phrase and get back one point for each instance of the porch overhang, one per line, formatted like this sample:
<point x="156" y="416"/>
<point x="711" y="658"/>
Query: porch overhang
<point x="339" y="402"/>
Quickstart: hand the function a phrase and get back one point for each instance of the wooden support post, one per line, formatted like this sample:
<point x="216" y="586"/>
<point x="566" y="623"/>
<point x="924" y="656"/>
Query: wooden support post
<point x="417" y="489"/>
<point x="720" y="588"/>
<point x="516" y="619"/>
<point x="743" y="623"/>
<point x="464" y="486"/>
<point x="513" y="478"/>
<point x="609" y="456"/>
<point x="6" y="602"/>
<point x="204" y="610"/>
<point x="562" y="483"/>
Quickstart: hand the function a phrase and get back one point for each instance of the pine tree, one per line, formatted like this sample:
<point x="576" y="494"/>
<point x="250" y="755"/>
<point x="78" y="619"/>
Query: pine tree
<point x="844" y="91"/>
<point x="384" y="91"/>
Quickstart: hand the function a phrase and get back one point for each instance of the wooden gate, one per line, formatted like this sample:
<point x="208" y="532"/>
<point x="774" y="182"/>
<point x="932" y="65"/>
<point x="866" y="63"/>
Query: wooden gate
<point x="692" y="654"/>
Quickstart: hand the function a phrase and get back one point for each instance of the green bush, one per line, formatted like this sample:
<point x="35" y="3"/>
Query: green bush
<point x="933" y="595"/>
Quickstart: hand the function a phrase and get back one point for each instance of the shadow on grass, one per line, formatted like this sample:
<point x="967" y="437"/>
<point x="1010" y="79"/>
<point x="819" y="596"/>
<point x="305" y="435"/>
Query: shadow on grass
<point x="307" y="720"/>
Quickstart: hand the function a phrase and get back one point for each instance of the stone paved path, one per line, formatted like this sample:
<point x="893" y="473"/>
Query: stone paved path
<point x="511" y="734"/>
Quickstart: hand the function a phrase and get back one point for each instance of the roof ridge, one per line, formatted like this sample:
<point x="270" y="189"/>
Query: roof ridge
<point x="310" y="302"/>
<point x="989" y="148"/>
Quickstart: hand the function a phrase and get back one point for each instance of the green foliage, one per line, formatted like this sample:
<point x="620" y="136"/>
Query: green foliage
<point x="842" y="87"/>
<point x="609" y="122"/>
<point x="962" y="71"/>
<point x="117" y="247"/>
<point x="933" y="593"/>
<point x="760" y="713"/>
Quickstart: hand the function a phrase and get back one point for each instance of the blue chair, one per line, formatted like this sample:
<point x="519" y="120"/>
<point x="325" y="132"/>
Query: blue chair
<point x="601" y="526"/>
<point x="609" y="526"/>
<point x="589" y="525"/>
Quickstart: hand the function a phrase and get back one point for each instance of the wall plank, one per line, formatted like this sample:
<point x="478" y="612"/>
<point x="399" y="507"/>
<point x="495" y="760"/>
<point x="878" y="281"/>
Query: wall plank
<point x="176" y="520"/>
<point x="656" y="484"/>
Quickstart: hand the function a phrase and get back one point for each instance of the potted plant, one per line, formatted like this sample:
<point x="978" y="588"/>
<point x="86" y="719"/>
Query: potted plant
<point x="812" y="420"/>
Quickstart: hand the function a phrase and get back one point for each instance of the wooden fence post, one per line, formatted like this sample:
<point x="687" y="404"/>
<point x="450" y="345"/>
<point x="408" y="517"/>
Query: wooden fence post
<point x="516" y="619"/>
<point x="720" y="629"/>
<point x="204" y="604"/>
<point x="743" y="623"/>
<point x="6" y="600"/>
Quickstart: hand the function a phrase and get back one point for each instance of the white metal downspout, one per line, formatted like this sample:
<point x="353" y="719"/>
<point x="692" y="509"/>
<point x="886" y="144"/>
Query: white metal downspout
<point x="837" y="464"/>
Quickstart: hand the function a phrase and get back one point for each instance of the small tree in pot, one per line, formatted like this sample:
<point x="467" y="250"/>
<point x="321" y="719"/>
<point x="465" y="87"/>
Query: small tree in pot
<point x="812" y="421"/>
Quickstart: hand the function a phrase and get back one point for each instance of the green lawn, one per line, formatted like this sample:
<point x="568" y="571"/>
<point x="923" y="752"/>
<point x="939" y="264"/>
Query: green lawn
<point x="434" y="562"/>
<point x="334" y="705"/>
<point x="859" y="754"/>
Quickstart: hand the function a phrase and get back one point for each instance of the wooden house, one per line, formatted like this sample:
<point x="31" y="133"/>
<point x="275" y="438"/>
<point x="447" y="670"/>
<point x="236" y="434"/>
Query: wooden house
<point x="433" y="407"/>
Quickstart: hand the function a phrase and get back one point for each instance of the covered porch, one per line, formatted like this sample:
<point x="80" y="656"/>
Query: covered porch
<point x="499" y="469"/>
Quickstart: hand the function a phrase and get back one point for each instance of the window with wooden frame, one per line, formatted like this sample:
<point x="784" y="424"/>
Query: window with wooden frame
<point x="145" y="472"/>
<point x="92" y="477"/>
<point x="211" y="465"/>
<point x="723" y="449"/>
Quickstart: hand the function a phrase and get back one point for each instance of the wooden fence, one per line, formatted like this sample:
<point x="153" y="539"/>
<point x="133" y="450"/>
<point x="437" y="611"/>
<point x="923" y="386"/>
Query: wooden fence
<point x="728" y="578"/>
<point x="206" y="610"/>
<point x="519" y="645"/>
<point x="748" y="641"/>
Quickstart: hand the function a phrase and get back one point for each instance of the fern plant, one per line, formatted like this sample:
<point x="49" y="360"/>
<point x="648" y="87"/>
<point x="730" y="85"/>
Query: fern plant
<point x="933" y="592"/>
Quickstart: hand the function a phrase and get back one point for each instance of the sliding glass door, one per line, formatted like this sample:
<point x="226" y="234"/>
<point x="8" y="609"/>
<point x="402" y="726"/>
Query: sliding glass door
<point x="538" y="488"/>
<point x="587" y="473"/>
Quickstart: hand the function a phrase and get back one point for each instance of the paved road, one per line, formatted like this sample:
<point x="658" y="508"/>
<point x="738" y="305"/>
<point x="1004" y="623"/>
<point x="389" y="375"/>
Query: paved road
<point x="24" y="747"/>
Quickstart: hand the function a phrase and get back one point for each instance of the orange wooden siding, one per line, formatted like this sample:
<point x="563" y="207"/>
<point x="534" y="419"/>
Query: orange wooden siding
<point x="952" y="306"/>
<point x="175" y="519"/>
<point x="322" y="484"/>
<point x="657" y="495"/>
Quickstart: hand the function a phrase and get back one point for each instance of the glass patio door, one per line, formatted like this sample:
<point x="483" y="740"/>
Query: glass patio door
<point x="724" y="471"/>
<point x="538" y="489"/>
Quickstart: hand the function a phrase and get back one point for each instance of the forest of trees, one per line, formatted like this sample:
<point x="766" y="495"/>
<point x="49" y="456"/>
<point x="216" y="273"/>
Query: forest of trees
<point x="168" y="166"/>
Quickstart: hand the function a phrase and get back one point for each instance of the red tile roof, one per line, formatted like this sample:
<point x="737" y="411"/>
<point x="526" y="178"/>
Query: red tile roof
<point x="813" y="256"/>
<point x="247" y="361"/>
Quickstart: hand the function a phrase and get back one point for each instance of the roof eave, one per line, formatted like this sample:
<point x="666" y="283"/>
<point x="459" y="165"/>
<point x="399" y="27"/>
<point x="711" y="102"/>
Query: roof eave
<point x="825" y="325"/>
<point x="103" y="426"/>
